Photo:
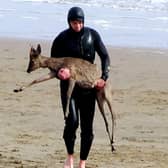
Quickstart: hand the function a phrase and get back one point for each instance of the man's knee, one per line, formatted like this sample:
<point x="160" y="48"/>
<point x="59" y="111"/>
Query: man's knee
<point x="87" y="135"/>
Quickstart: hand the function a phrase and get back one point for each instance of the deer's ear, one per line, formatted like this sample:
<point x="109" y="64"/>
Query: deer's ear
<point x="32" y="50"/>
<point x="39" y="49"/>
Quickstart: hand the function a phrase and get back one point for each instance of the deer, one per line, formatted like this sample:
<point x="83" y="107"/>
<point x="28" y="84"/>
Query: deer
<point x="83" y="73"/>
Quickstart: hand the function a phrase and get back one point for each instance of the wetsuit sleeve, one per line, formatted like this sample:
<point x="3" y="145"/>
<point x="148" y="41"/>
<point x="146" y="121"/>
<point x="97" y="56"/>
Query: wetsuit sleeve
<point x="102" y="52"/>
<point x="56" y="46"/>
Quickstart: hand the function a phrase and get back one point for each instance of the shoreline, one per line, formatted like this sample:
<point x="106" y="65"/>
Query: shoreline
<point x="31" y="122"/>
<point x="46" y="41"/>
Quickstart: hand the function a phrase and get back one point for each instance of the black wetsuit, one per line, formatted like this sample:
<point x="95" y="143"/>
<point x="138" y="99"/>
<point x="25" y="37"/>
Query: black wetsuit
<point x="84" y="45"/>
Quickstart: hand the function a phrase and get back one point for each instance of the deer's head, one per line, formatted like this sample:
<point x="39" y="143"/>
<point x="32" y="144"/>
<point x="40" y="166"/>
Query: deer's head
<point x="34" y="62"/>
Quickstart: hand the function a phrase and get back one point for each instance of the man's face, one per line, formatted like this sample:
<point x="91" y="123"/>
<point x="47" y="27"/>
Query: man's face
<point x="76" y="25"/>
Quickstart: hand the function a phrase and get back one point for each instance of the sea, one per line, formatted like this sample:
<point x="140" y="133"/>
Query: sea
<point x="122" y="23"/>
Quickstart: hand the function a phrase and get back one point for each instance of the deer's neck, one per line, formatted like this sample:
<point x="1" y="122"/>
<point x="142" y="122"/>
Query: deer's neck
<point x="44" y="61"/>
<point x="51" y="63"/>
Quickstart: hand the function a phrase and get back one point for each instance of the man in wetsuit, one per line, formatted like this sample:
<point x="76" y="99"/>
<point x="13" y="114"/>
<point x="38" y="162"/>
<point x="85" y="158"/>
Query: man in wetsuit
<point x="80" y="42"/>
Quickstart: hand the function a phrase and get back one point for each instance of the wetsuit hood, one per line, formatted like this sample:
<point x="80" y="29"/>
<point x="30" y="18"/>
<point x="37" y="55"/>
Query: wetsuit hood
<point x="75" y="13"/>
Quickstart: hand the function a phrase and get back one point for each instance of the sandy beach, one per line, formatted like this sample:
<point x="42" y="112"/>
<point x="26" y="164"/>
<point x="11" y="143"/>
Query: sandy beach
<point x="31" y="122"/>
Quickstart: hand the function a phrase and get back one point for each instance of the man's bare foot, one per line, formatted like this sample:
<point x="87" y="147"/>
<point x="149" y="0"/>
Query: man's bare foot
<point x="82" y="164"/>
<point x="69" y="162"/>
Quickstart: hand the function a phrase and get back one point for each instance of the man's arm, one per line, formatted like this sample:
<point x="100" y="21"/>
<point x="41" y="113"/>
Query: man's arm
<point x="104" y="56"/>
<point x="63" y="73"/>
<point x="55" y="47"/>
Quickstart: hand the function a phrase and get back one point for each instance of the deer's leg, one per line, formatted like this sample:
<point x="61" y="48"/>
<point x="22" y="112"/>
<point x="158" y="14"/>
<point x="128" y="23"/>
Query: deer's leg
<point x="100" y="102"/>
<point x="69" y="93"/>
<point x="108" y="98"/>
<point x="49" y="76"/>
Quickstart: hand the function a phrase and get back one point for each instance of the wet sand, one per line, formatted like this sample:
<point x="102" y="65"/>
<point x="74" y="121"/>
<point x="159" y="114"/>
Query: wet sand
<point x="31" y="122"/>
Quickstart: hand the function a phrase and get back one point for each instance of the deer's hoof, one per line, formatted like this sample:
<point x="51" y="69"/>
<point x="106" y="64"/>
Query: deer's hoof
<point x="17" y="90"/>
<point x="112" y="148"/>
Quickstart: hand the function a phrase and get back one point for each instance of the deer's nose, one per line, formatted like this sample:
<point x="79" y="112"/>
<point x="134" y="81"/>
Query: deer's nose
<point x="28" y="71"/>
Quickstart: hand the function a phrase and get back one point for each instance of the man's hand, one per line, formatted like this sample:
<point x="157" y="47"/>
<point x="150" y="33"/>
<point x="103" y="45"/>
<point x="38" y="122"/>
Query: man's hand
<point x="64" y="74"/>
<point x="99" y="84"/>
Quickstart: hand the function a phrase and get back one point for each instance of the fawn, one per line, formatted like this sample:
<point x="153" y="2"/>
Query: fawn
<point x="83" y="73"/>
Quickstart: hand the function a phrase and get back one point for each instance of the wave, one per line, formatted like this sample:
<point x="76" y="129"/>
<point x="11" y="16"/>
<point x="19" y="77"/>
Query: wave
<point x="163" y="18"/>
<point x="152" y="5"/>
<point x="30" y="17"/>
